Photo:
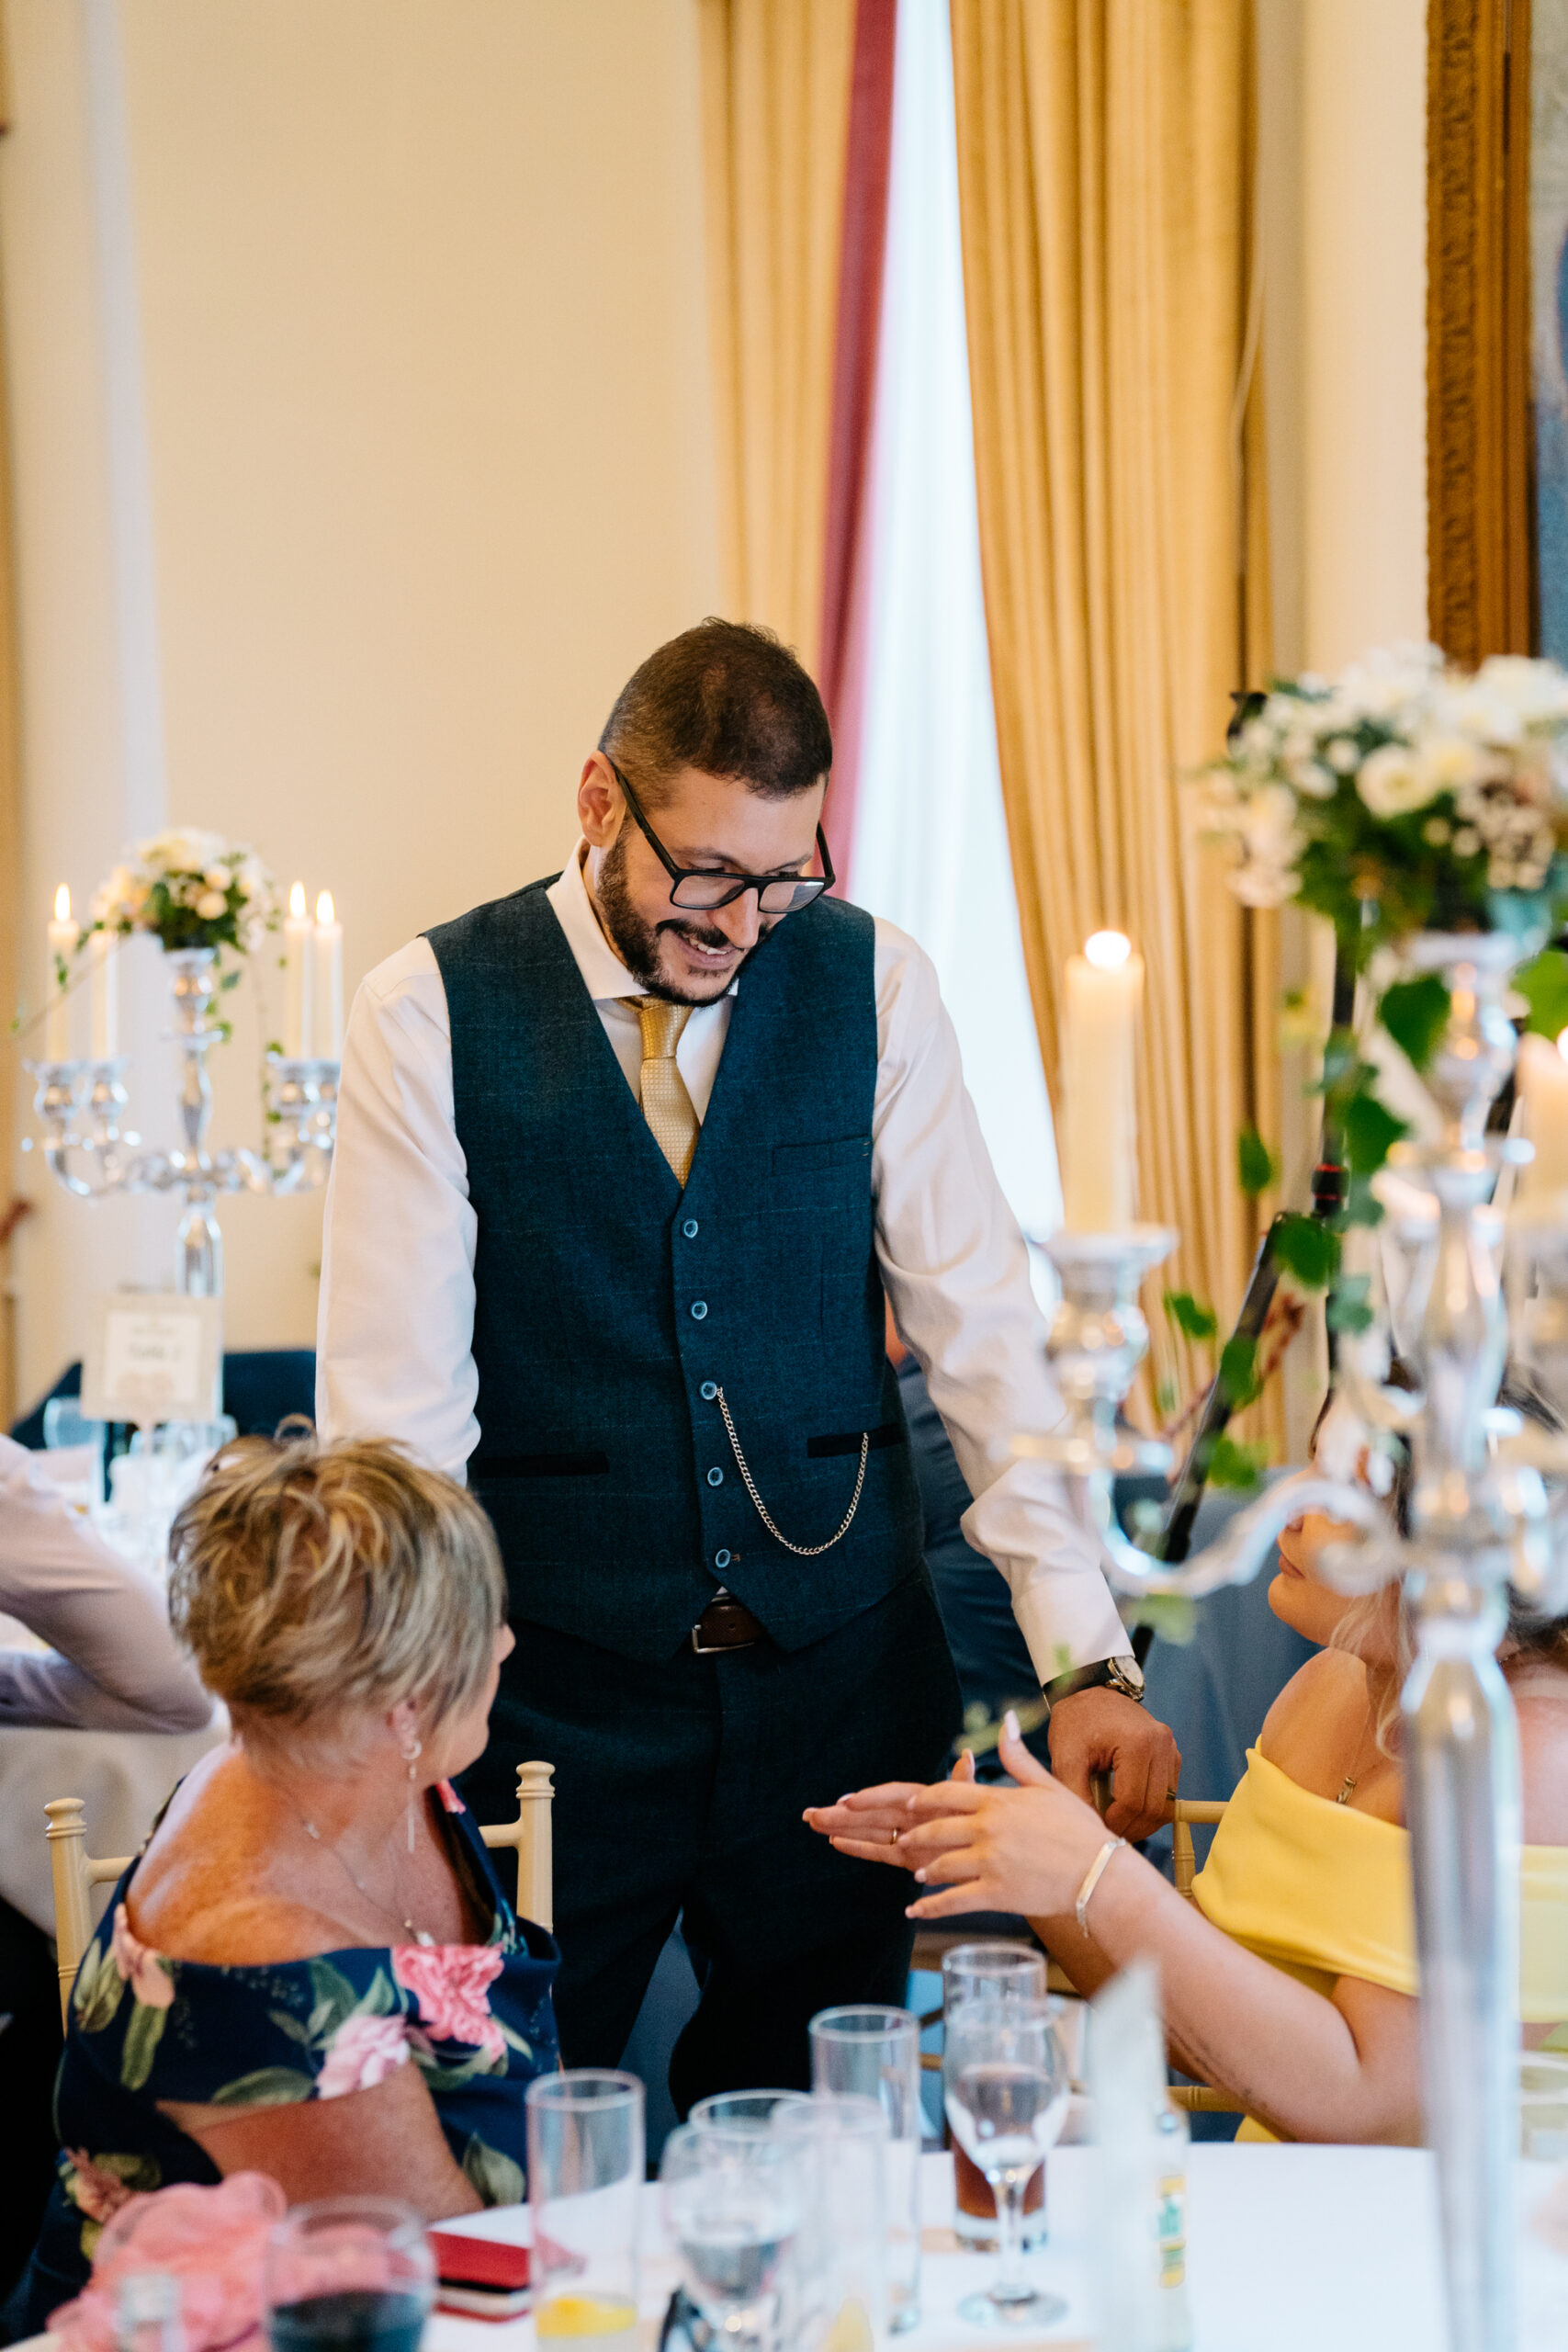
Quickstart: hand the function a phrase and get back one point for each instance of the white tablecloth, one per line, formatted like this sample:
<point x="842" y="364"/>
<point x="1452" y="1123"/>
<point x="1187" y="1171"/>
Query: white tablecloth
<point x="1292" y="2249"/>
<point x="123" y="1776"/>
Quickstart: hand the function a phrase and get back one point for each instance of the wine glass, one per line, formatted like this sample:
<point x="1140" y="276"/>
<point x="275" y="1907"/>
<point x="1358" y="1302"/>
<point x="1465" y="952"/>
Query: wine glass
<point x="731" y="2213"/>
<point x="1006" y="2087"/>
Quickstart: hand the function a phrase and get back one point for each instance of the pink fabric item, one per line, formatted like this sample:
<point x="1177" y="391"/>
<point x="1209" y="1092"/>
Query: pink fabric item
<point x="212" y="2240"/>
<point x="140" y="1966"/>
<point x="361" y="2053"/>
<point x="448" y="1980"/>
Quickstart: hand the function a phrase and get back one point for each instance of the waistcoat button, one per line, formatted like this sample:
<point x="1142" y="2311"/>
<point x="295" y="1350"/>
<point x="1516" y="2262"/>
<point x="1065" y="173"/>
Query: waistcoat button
<point x="690" y="1229"/>
<point x="721" y="1559"/>
<point x="710" y="1389"/>
<point x="699" y="1309"/>
<point x="715" y="1477"/>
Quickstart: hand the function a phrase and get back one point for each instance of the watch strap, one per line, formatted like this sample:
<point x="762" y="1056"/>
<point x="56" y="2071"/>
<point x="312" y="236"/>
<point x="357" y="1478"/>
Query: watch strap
<point x="1105" y="1674"/>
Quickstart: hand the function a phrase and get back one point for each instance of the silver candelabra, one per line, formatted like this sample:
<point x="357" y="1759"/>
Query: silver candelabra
<point x="1486" y="1511"/>
<point x="81" y="1103"/>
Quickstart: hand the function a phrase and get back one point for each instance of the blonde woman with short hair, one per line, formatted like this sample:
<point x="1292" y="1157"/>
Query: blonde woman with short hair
<point x="312" y="1971"/>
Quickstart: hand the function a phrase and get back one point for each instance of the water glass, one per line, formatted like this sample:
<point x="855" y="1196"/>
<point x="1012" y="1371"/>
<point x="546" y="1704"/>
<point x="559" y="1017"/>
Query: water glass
<point x="840" y="2294"/>
<point x="351" y="2274"/>
<point x="585" y="2174"/>
<point x="1543" y="2105"/>
<point x="731" y="2211"/>
<point x="1006" y="2087"/>
<point x="1014" y="1971"/>
<point x="868" y="2052"/>
<point x="745" y="2111"/>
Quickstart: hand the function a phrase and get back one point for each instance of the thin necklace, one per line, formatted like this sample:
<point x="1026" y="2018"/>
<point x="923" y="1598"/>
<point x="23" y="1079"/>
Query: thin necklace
<point x="1349" y="1791"/>
<point x="309" y="1826"/>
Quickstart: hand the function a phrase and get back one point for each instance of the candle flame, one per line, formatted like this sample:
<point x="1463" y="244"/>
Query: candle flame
<point x="324" y="908"/>
<point x="1107" y="950"/>
<point x="62" y="904"/>
<point x="296" y="901"/>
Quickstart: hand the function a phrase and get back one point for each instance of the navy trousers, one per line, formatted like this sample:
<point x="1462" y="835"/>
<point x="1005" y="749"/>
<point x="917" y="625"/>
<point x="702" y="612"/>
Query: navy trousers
<point x="679" y="1793"/>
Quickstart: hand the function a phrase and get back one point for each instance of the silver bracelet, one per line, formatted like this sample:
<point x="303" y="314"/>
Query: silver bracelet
<point x="1091" y="1879"/>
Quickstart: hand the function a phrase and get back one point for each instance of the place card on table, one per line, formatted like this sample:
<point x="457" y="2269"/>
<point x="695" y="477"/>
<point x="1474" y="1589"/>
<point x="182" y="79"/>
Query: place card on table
<point x="153" y="1356"/>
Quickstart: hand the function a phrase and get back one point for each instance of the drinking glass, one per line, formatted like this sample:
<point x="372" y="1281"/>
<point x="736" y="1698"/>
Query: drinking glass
<point x="1014" y="1971"/>
<point x="351" y="2274"/>
<point x="1543" y="2105"/>
<point x="585" y="2174"/>
<point x="731" y="2211"/>
<point x="840" y="2297"/>
<point x="868" y="2052"/>
<point x="1006" y="2088"/>
<point x="745" y="2111"/>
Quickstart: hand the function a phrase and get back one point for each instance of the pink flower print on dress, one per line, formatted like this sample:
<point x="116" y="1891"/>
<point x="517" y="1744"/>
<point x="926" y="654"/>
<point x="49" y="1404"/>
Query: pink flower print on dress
<point x="361" y="2053"/>
<point x="450" y="1800"/>
<point x="448" y="1980"/>
<point x="92" y="2190"/>
<point x="142" y="1969"/>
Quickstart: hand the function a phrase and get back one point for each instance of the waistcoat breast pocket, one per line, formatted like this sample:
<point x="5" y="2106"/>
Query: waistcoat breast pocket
<point x="808" y="1174"/>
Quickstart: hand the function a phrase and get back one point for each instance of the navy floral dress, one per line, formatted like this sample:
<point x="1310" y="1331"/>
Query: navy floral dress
<point x="475" y="2019"/>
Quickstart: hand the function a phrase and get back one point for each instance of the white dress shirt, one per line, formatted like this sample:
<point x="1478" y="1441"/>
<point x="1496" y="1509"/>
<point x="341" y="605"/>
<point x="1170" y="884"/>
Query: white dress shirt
<point x="114" y="1665"/>
<point x="395" y="1342"/>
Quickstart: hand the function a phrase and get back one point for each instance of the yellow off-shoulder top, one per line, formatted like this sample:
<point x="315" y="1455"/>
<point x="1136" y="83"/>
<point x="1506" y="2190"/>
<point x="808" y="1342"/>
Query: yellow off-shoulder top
<point x="1322" y="1892"/>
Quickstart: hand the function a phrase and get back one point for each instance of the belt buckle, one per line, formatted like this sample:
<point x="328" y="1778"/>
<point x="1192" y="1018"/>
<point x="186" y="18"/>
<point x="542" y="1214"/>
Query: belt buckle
<point x="710" y="1649"/>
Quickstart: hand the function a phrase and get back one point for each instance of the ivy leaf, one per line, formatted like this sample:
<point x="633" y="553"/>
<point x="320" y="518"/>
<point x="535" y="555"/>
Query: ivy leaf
<point x="1416" y="1014"/>
<point x="1172" y="1615"/>
<point x="1369" y="1133"/>
<point x="1350" y="1309"/>
<point x="1256" y="1166"/>
<point x="1362" y="1205"/>
<point x="1190" y="1317"/>
<point x="1237" y="1465"/>
<point x="1238" y="1370"/>
<point x="1306" y="1249"/>
<point x="1543" y="984"/>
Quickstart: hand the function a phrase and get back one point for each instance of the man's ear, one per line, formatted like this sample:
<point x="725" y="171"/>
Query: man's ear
<point x="599" y="809"/>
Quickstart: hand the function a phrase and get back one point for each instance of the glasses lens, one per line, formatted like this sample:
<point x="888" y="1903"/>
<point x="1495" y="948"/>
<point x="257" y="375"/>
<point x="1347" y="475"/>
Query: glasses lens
<point x="783" y="897"/>
<point x="704" y="891"/>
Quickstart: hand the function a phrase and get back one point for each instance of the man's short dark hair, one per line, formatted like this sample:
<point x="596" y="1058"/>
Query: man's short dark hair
<point x="728" y="699"/>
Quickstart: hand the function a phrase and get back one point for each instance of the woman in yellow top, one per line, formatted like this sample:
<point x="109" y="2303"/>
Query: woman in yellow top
<point x="1290" y="1981"/>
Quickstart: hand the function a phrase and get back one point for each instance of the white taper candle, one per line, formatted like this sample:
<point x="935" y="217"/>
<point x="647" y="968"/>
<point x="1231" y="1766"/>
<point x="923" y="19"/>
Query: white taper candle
<point x="63" y="934"/>
<point x="1098" y="1125"/>
<point x="327" y="951"/>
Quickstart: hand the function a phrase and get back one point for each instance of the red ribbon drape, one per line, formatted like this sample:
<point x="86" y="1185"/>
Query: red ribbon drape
<point x="846" y="566"/>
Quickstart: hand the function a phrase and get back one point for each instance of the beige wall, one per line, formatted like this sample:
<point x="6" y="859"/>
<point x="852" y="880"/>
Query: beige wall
<point x="427" y="459"/>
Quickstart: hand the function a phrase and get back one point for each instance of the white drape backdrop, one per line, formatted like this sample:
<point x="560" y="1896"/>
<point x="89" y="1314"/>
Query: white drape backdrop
<point x="930" y="849"/>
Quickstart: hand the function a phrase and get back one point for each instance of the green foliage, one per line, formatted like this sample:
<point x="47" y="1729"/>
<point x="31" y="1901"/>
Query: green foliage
<point x="1369" y="1133"/>
<point x="1416" y="1014"/>
<point x="1257" y="1168"/>
<point x="1543" y="984"/>
<point x="1350" y="1309"/>
<point x="1173" y="1615"/>
<point x="1238" y="1372"/>
<point x="1237" y="1465"/>
<point x="1306" y="1249"/>
<point x="1190" y="1317"/>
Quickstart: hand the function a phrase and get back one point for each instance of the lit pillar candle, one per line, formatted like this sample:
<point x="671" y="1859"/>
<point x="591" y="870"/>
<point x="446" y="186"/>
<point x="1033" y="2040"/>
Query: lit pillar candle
<point x="1098" y="1126"/>
<point x="297" y="976"/>
<point x="63" y="934"/>
<point x="103" y="948"/>
<point x="1543" y="1082"/>
<point x="327" y="952"/>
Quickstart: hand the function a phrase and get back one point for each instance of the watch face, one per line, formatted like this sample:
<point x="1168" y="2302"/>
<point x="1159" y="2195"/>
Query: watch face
<point x="1127" y="1676"/>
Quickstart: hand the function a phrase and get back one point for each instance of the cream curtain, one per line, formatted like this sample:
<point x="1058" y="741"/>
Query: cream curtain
<point x="1105" y="179"/>
<point x="776" y="85"/>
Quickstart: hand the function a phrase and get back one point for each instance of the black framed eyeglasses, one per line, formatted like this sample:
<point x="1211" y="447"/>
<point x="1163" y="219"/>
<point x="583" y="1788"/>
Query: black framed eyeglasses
<point x="690" y="886"/>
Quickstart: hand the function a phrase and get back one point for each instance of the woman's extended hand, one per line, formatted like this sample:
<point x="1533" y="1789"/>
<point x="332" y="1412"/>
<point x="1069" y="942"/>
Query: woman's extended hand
<point x="871" y="1823"/>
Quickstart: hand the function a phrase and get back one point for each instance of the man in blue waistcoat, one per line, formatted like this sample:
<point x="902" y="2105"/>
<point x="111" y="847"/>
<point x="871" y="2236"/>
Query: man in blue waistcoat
<point x="629" y="1164"/>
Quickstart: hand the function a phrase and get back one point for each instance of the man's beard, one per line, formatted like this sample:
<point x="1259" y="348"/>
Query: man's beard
<point x="637" y="942"/>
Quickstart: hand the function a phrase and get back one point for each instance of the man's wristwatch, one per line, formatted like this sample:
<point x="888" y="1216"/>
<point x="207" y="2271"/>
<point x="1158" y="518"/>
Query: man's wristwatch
<point x="1123" y="1674"/>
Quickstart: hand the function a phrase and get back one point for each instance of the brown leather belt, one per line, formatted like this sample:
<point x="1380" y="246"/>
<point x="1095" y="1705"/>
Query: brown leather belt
<point x="726" y="1625"/>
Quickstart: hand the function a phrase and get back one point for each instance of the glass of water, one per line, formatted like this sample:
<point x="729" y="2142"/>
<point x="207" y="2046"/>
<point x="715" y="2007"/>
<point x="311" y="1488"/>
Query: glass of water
<point x="868" y="2052"/>
<point x="744" y="2110"/>
<point x="1006" y="2087"/>
<point x="1014" y="1972"/>
<point x="840" y="2146"/>
<point x="731" y="2213"/>
<point x="351" y="2274"/>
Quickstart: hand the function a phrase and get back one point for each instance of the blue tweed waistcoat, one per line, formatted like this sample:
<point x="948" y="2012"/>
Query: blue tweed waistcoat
<point x="610" y="1305"/>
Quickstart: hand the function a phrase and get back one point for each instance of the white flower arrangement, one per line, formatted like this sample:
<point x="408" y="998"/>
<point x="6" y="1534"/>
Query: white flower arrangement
<point x="190" y="888"/>
<point x="1403" y="796"/>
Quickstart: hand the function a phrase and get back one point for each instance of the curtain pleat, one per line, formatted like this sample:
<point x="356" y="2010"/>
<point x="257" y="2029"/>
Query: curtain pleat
<point x="776" y="88"/>
<point x="1105" y="188"/>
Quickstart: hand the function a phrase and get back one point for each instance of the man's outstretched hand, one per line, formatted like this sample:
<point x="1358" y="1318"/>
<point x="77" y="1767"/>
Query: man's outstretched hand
<point x="1099" y="1731"/>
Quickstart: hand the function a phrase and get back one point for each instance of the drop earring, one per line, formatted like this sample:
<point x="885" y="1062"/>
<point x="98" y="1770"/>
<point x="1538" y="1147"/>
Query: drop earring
<point x="413" y="1754"/>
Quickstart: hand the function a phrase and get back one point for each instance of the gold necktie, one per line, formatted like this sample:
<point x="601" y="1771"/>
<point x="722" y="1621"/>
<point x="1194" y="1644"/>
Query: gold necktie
<point x="666" y="1105"/>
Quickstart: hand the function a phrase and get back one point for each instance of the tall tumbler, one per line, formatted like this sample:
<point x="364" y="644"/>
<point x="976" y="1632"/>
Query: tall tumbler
<point x="838" y="2297"/>
<point x="868" y="2052"/>
<point x="1010" y="1971"/>
<point x="585" y="2183"/>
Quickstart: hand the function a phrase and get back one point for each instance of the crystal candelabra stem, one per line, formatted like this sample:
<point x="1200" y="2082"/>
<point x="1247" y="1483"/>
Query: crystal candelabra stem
<point x="80" y="1104"/>
<point x="1469" y="1523"/>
